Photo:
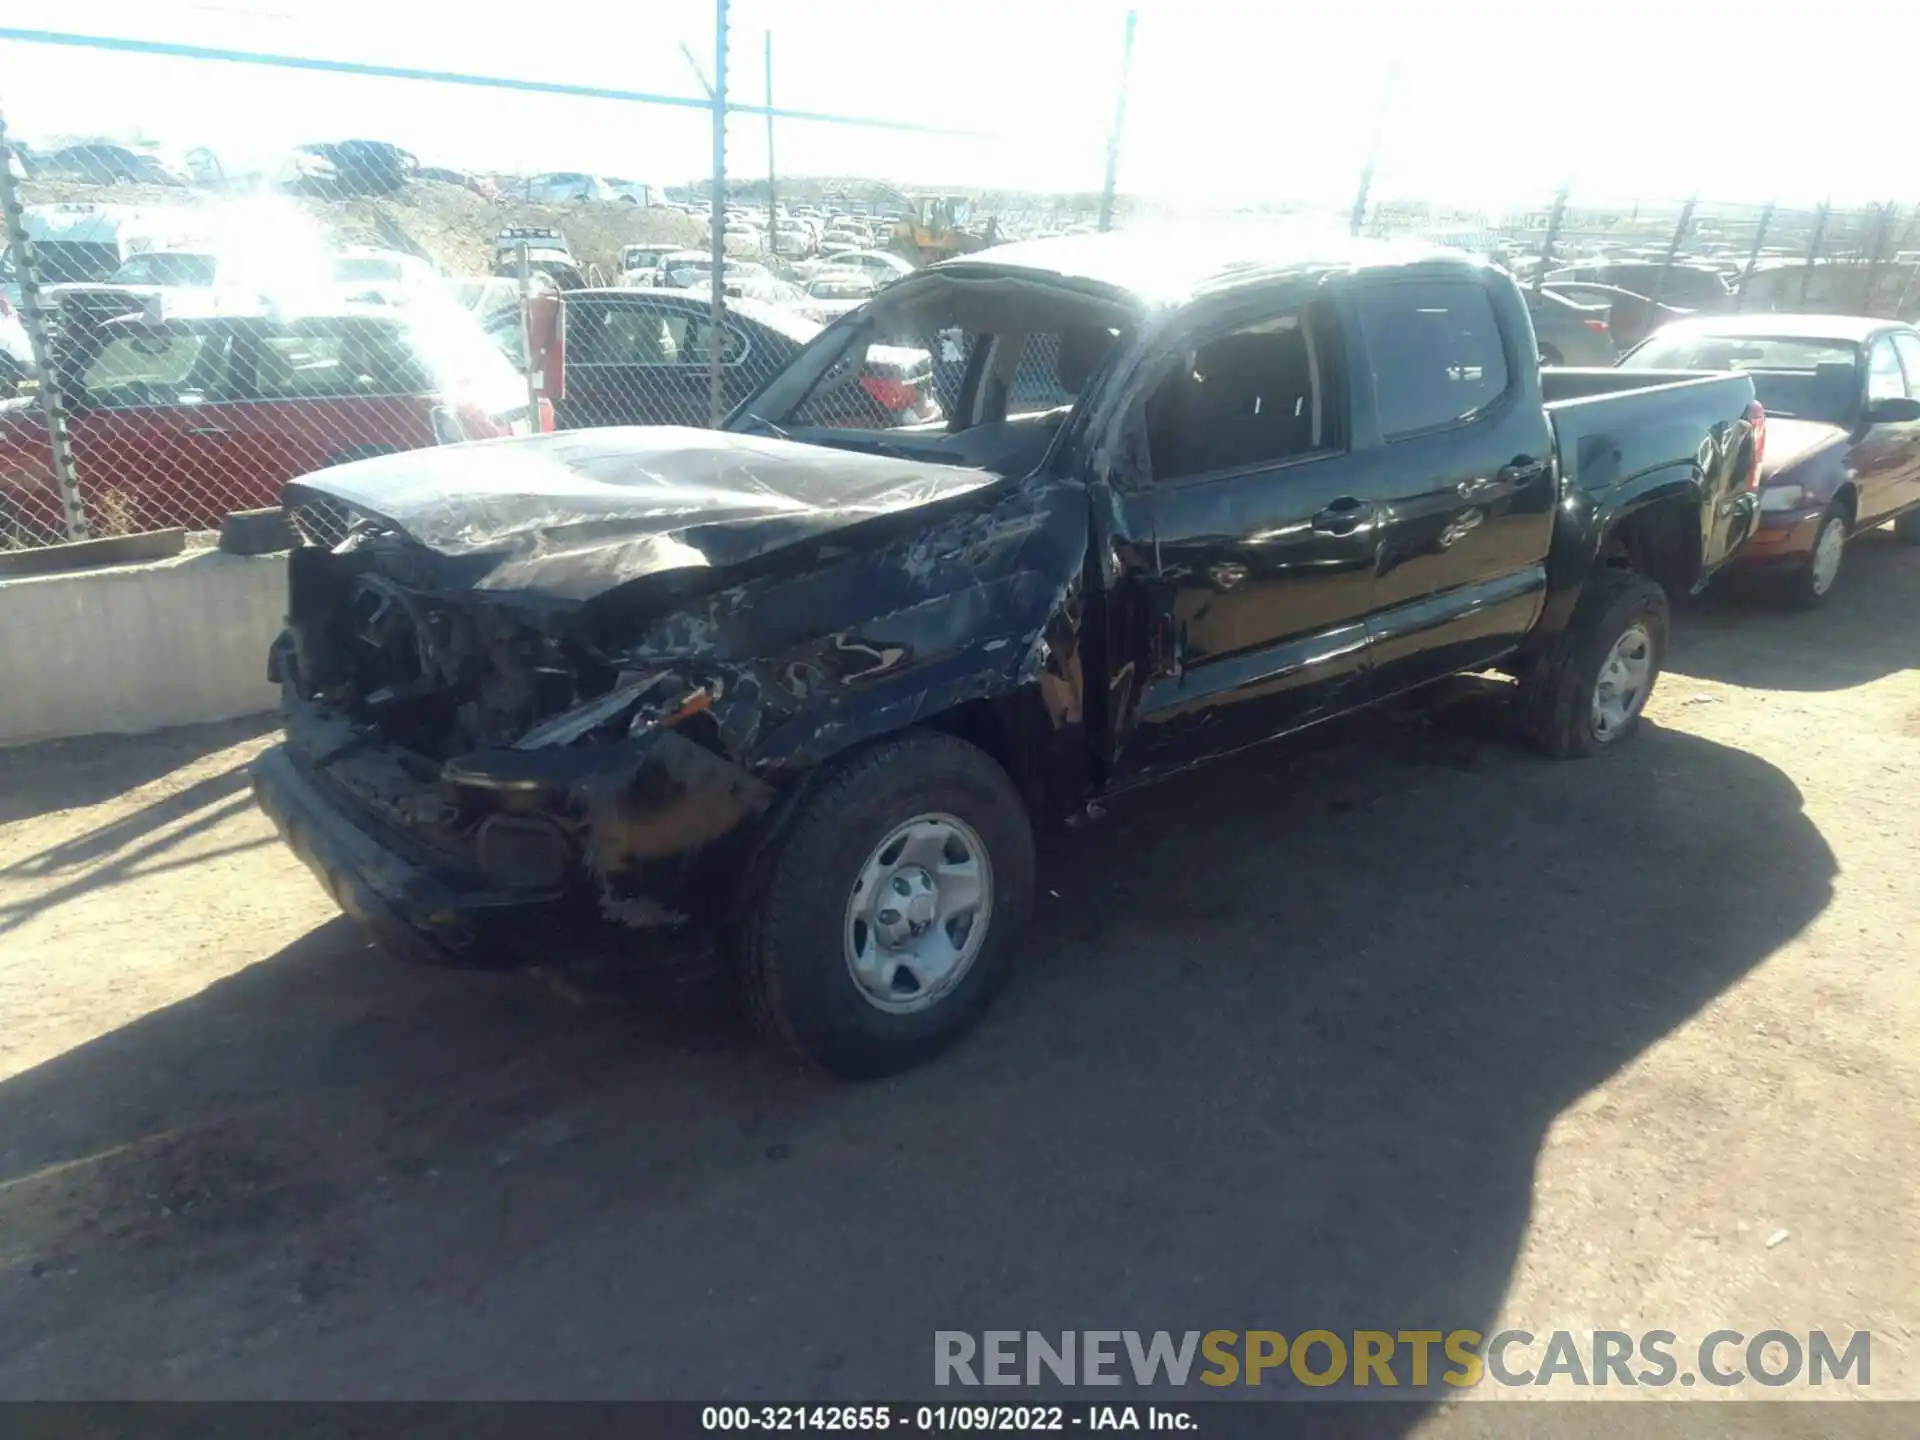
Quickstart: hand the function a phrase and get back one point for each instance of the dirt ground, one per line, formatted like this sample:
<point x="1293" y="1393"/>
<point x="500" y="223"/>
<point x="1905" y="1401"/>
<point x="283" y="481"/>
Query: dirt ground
<point x="1401" y="1028"/>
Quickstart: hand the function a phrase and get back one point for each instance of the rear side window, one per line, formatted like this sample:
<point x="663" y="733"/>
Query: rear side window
<point x="353" y="361"/>
<point x="1254" y="396"/>
<point x="1435" y="351"/>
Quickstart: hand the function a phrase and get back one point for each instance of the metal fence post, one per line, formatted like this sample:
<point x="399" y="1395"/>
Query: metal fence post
<point x="717" y="219"/>
<point x="1753" y="257"/>
<point x="1554" y="218"/>
<point x="1813" y="253"/>
<point x="531" y="363"/>
<point x="34" y="317"/>
<point x="1673" y="249"/>
<point x="773" y="210"/>
<point x="1119" y="119"/>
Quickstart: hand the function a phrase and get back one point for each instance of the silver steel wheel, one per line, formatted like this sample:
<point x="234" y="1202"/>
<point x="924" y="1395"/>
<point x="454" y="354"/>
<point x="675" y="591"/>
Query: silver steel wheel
<point x="1828" y="548"/>
<point x="919" y="912"/>
<point x="1624" y="681"/>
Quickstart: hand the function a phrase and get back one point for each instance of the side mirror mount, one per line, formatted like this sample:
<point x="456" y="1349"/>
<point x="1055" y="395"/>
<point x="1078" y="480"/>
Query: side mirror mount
<point x="1893" y="410"/>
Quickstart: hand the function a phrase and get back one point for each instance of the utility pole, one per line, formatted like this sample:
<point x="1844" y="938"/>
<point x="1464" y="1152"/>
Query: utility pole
<point x="1813" y="250"/>
<point x="773" y="226"/>
<point x="717" y="219"/>
<point x="1119" y="120"/>
<point x="1753" y="256"/>
<point x="1673" y="248"/>
<point x="1554" y="219"/>
<point x="1358" y="219"/>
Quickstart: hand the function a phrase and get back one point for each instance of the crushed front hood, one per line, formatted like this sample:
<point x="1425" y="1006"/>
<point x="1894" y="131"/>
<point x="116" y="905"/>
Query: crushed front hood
<point x="573" y="515"/>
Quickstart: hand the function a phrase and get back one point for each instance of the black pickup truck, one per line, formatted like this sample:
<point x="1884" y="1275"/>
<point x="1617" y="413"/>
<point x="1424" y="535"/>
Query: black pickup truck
<point x="804" y="690"/>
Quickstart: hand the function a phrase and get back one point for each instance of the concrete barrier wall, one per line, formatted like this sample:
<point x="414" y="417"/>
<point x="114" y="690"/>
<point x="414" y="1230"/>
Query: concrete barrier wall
<point x="131" y="648"/>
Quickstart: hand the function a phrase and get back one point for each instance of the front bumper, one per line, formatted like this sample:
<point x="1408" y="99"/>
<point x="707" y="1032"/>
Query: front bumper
<point x="408" y="906"/>
<point x="417" y="904"/>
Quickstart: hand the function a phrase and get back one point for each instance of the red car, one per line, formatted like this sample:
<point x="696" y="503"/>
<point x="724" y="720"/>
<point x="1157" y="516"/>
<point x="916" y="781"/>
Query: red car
<point x="178" y="419"/>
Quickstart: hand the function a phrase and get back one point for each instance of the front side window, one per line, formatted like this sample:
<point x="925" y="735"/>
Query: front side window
<point x="1255" y="396"/>
<point x="1435" y="351"/>
<point x="1908" y="345"/>
<point x="623" y="335"/>
<point x="153" y="367"/>
<point x="1884" y="378"/>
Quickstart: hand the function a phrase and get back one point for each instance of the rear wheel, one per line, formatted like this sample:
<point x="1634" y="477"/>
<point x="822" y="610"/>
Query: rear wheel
<point x="1811" y="583"/>
<point x="1907" y="528"/>
<point x="891" y="907"/>
<point x="1549" y="355"/>
<point x="1588" y="690"/>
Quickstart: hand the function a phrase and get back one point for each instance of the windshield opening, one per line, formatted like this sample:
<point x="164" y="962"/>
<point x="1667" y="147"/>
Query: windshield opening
<point x="972" y="371"/>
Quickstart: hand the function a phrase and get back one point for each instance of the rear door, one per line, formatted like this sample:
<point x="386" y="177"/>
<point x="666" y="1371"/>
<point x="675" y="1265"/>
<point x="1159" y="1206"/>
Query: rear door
<point x="1260" y="567"/>
<point x="1464" y="484"/>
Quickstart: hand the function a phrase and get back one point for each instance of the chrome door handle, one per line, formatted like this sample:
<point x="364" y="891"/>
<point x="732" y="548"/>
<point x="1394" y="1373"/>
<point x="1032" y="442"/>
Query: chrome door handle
<point x="1343" y="516"/>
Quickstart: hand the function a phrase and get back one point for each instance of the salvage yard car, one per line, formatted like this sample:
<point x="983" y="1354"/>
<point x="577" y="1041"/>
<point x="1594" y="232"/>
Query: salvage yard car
<point x="1843" y="452"/>
<point x="185" y="407"/>
<point x="642" y="357"/>
<point x="794" y="695"/>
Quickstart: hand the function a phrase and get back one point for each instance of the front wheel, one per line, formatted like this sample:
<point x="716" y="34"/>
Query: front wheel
<point x="1587" y="691"/>
<point x="1812" y="582"/>
<point x="891" y="907"/>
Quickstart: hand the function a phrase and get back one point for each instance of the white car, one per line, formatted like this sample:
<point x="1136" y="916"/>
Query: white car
<point x="559" y="186"/>
<point x="883" y="267"/>
<point x="832" y="293"/>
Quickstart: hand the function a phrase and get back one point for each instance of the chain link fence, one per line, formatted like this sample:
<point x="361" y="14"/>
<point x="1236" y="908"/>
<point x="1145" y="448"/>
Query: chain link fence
<point x="183" y="333"/>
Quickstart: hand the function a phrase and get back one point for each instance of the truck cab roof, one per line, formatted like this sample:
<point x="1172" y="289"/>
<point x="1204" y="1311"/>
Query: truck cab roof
<point x="1165" y="266"/>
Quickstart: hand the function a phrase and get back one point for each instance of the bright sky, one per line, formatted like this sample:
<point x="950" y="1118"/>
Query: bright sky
<point x="1496" y="101"/>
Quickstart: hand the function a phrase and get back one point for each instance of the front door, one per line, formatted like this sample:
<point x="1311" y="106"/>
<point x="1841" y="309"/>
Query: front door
<point x="1883" y="457"/>
<point x="1907" y="344"/>
<point x="152" y="430"/>
<point x="1465" y="487"/>
<point x="1260" y="568"/>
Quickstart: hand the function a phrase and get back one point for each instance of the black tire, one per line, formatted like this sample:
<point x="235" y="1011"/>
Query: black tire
<point x="791" y="959"/>
<point x="1554" y="709"/>
<point x="1802" y="591"/>
<point x="1907" y="528"/>
<point x="1549" y="355"/>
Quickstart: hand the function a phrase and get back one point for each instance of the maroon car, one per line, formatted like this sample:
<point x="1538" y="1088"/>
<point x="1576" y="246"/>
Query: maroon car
<point x="1842" y="395"/>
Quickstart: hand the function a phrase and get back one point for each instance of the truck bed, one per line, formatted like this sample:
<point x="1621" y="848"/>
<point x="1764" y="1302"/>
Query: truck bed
<point x="1651" y="432"/>
<point x="1613" y="426"/>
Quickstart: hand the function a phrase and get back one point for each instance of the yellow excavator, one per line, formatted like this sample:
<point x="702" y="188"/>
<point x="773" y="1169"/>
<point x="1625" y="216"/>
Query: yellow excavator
<point x="939" y="226"/>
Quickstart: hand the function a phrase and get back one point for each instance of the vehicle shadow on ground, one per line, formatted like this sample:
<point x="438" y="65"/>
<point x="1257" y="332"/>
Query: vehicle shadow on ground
<point x="1742" y="633"/>
<point x="1289" y="1038"/>
<point x="73" y="774"/>
<point x="137" y="844"/>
